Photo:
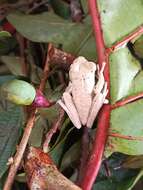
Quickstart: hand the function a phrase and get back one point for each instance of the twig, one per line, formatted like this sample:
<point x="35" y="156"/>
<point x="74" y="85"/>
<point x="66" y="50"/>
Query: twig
<point x="125" y="40"/>
<point x="53" y="130"/>
<point x="127" y="100"/>
<point x="22" y="146"/>
<point x="117" y="135"/>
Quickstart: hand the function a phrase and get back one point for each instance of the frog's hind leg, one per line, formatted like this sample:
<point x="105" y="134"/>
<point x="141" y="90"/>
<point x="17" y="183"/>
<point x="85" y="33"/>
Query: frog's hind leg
<point x="69" y="107"/>
<point x="97" y="103"/>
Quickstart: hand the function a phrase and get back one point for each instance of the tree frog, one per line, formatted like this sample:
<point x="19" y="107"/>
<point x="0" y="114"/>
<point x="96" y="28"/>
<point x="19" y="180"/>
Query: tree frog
<point x="85" y="93"/>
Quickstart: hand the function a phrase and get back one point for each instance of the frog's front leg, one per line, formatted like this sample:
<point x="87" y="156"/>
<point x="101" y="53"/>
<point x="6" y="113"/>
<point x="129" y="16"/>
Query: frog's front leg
<point x="69" y="107"/>
<point x="101" y="80"/>
<point x="97" y="103"/>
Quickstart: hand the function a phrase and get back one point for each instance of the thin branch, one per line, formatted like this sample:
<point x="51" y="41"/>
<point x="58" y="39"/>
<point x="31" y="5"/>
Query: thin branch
<point x="127" y="100"/>
<point x="117" y="135"/>
<point x="56" y="125"/>
<point x="125" y="40"/>
<point x="30" y="124"/>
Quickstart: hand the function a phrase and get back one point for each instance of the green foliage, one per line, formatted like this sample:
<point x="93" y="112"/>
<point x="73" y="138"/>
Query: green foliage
<point x="126" y="75"/>
<point x="10" y="127"/>
<point x="119" y="18"/>
<point x="127" y="121"/>
<point x="18" y="92"/>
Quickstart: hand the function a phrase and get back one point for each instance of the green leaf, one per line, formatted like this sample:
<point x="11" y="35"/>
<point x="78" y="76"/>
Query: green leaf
<point x="61" y="8"/>
<point x="130" y="183"/>
<point x="84" y="4"/>
<point x="133" y="162"/>
<point x="126" y="121"/>
<point x="119" y="18"/>
<point x="138" y="47"/>
<point x="6" y="78"/>
<point x="10" y="131"/>
<point x="105" y="185"/>
<point x="36" y="136"/>
<point x="7" y="44"/>
<point x="57" y="149"/>
<point x="51" y="28"/>
<point x="125" y="75"/>
<point x="4" y="34"/>
<point x="18" y="92"/>
<point x="71" y="156"/>
<point x="13" y="63"/>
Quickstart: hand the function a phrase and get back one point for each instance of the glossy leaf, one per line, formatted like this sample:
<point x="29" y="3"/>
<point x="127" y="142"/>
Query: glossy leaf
<point x="10" y="130"/>
<point x="119" y="18"/>
<point x="4" y="34"/>
<point x="105" y="185"/>
<point x="36" y="136"/>
<point x="18" y="92"/>
<point x="51" y="28"/>
<point x="7" y="44"/>
<point x="71" y="156"/>
<point x="84" y="4"/>
<point x="126" y="121"/>
<point x="138" y="47"/>
<point x="61" y="8"/>
<point x="125" y="75"/>
<point x="13" y="63"/>
<point x="57" y="149"/>
<point x="133" y="162"/>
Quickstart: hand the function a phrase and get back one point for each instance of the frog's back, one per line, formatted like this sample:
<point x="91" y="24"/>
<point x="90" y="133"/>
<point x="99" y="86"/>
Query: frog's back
<point x="82" y="102"/>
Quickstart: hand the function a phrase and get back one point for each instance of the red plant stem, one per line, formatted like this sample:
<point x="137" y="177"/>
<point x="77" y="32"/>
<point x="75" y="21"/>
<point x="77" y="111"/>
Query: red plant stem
<point x="95" y="158"/>
<point x="117" y="135"/>
<point x="97" y="31"/>
<point x="124" y="41"/>
<point x="127" y="100"/>
<point x="22" y="146"/>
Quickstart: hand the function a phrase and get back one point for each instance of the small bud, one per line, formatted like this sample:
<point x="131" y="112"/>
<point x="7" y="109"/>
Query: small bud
<point x="40" y="101"/>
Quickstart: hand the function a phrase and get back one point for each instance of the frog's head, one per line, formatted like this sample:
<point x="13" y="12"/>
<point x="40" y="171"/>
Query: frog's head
<point x="81" y="67"/>
<point x="84" y="71"/>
